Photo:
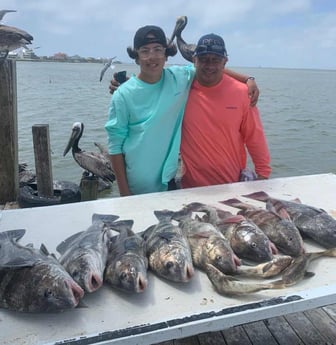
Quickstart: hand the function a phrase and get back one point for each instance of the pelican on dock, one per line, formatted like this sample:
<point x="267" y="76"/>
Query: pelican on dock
<point x="187" y="50"/>
<point x="12" y="38"/>
<point x="106" y="67"/>
<point x="95" y="163"/>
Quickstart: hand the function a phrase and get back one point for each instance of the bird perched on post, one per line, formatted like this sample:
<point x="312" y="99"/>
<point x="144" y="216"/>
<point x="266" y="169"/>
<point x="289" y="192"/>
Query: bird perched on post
<point x="187" y="50"/>
<point x="12" y="38"/>
<point x="95" y="163"/>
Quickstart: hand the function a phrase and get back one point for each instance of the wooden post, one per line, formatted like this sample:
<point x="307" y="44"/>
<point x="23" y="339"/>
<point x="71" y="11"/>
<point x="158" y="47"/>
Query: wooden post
<point x="89" y="188"/>
<point x="43" y="166"/>
<point x="9" y="166"/>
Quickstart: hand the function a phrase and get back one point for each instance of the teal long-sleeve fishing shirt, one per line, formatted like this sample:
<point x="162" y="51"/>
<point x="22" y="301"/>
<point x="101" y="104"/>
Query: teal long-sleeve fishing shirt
<point x="144" y="124"/>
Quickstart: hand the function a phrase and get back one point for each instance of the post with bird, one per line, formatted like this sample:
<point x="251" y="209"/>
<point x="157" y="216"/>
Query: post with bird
<point x="9" y="175"/>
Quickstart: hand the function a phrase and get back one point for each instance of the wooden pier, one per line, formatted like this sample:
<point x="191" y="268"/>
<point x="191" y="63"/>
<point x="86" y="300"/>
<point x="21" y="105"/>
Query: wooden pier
<point x="311" y="327"/>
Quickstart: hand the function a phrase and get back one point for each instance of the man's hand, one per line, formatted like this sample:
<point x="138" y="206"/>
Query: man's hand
<point x="118" y="78"/>
<point x="253" y="91"/>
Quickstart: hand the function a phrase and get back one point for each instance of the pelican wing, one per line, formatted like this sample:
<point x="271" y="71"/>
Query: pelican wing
<point x="96" y="163"/>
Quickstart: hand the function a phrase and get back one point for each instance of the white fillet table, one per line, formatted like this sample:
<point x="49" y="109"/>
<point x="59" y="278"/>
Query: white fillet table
<point x="165" y="310"/>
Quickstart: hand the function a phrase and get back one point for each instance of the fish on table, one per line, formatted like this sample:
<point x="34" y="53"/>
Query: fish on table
<point x="276" y="224"/>
<point x="84" y="254"/>
<point x="267" y="269"/>
<point x="127" y="263"/>
<point x="228" y="285"/>
<point x="246" y="239"/>
<point x="298" y="268"/>
<point x="168" y="250"/>
<point x="207" y="243"/>
<point x="312" y="222"/>
<point x="32" y="280"/>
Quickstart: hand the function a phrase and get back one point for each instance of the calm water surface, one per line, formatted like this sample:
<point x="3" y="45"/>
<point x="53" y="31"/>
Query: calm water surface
<point x="298" y="109"/>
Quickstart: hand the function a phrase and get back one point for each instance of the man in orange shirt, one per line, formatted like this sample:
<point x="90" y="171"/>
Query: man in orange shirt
<point x="219" y="126"/>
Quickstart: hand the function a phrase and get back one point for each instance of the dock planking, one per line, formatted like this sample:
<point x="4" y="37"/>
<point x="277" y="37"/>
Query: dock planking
<point x="311" y="327"/>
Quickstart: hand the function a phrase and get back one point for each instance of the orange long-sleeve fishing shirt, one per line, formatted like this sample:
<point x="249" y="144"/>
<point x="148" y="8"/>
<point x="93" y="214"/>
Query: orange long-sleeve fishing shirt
<point x="219" y="127"/>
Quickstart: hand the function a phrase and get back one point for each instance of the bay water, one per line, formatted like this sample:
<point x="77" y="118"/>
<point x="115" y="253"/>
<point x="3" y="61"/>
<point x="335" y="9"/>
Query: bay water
<point x="297" y="106"/>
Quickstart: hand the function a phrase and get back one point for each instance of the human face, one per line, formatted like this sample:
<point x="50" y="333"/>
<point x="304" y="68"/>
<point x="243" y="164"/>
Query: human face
<point x="151" y="58"/>
<point x="209" y="69"/>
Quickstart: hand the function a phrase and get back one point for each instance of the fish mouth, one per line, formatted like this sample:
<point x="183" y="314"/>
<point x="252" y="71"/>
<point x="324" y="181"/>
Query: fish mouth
<point x="188" y="273"/>
<point x="94" y="283"/>
<point x="76" y="291"/>
<point x="141" y="284"/>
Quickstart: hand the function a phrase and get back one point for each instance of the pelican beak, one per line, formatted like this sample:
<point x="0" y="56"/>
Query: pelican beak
<point x="71" y="142"/>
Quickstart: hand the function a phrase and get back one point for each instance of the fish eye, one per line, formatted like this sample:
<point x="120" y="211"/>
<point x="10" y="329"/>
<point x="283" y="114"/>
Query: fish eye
<point x="169" y="264"/>
<point x="218" y="258"/>
<point x="75" y="274"/>
<point x="122" y="276"/>
<point x="48" y="293"/>
<point x="253" y="245"/>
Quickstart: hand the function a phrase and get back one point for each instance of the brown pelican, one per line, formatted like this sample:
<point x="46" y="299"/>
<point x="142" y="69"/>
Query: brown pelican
<point x="11" y="37"/>
<point x="106" y="67"/>
<point x="95" y="163"/>
<point x="187" y="50"/>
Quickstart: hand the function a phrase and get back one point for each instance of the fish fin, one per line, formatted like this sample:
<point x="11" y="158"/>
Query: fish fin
<point x="44" y="250"/>
<point x="120" y="225"/>
<point x="164" y="215"/>
<point x="235" y="203"/>
<point x="234" y="219"/>
<point x="15" y="235"/>
<point x="65" y="244"/>
<point x="167" y="235"/>
<point x="260" y="196"/>
<point x="195" y="207"/>
<point x="105" y="218"/>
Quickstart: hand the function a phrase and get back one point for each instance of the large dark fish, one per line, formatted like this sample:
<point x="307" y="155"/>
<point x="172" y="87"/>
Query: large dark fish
<point x="312" y="222"/>
<point x="245" y="237"/>
<point x="39" y="284"/>
<point x="127" y="264"/>
<point x="207" y="243"/>
<point x="230" y="286"/>
<point x="267" y="269"/>
<point x="168" y="250"/>
<point x="297" y="270"/>
<point x="84" y="254"/>
<point x="277" y="225"/>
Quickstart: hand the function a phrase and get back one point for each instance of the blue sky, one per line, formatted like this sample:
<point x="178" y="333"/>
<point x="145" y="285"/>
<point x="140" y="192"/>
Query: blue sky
<point x="284" y="34"/>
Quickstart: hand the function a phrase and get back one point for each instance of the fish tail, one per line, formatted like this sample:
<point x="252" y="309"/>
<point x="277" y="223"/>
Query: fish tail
<point x="260" y="196"/>
<point x="235" y="203"/>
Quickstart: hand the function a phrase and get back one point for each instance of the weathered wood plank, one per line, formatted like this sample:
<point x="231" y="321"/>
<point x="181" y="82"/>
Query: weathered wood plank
<point x="282" y="331"/>
<point x="211" y="338"/>
<point x="236" y="336"/>
<point x="325" y="324"/>
<point x="259" y="333"/>
<point x="43" y="166"/>
<point x="9" y="175"/>
<point x="305" y="329"/>
<point x="187" y="341"/>
<point x="169" y="342"/>
<point x="331" y="311"/>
